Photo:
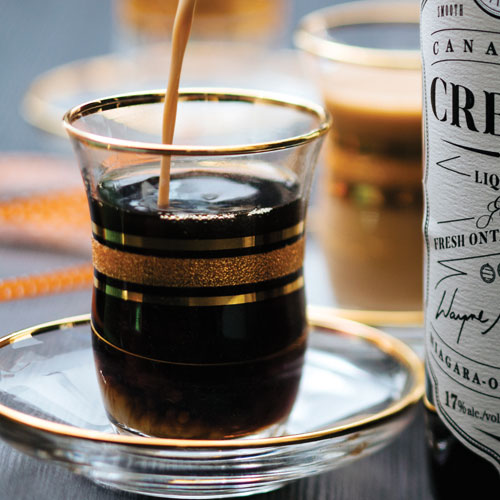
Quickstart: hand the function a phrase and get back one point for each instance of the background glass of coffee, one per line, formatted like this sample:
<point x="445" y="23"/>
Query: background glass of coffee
<point x="142" y="22"/>
<point x="198" y="313"/>
<point x="366" y="57"/>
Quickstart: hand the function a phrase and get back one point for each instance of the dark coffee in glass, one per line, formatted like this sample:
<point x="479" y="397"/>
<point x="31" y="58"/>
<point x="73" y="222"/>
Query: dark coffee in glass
<point x="200" y="351"/>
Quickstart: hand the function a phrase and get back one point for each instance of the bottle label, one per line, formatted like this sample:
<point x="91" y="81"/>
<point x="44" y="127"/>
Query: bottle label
<point x="460" y="45"/>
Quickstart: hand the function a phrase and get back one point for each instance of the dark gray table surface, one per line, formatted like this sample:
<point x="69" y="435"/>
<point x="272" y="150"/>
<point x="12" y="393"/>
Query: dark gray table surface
<point x="36" y="36"/>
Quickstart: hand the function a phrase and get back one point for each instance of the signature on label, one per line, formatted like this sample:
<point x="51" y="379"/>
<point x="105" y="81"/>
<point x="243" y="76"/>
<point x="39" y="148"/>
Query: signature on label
<point x="449" y="312"/>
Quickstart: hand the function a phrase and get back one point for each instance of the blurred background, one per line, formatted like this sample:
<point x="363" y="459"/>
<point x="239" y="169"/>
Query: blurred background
<point x="56" y="55"/>
<point x="29" y="46"/>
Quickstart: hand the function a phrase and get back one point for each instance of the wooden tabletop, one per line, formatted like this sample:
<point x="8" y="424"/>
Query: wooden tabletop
<point x="36" y="36"/>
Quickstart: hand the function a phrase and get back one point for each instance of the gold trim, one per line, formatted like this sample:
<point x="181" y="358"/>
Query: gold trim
<point x="232" y="363"/>
<point x="135" y="241"/>
<point x="196" y="272"/>
<point x="312" y="34"/>
<point x="63" y="324"/>
<point x="224" y="300"/>
<point x="383" y="318"/>
<point x="196" y="94"/>
<point x="318" y="317"/>
<point x="428" y="404"/>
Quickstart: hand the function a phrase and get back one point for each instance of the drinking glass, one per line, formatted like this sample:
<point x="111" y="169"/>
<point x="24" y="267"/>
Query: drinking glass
<point x="367" y="62"/>
<point x="198" y="311"/>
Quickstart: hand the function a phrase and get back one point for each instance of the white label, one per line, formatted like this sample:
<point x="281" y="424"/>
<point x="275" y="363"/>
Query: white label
<point x="461" y="60"/>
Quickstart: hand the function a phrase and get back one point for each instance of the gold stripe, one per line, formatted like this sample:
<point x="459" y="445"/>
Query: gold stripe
<point x="225" y="300"/>
<point x="135" y="241"/>
<point x="193" y="273"/>
<point x="204" y="365"/>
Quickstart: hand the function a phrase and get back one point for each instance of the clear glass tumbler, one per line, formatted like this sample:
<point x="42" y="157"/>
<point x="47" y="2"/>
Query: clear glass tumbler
<point x="366" y="60"/>
<point x="198" y="309"/>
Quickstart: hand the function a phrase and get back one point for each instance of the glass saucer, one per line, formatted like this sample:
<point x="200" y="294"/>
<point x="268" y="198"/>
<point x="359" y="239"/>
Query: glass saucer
<point x="359" y="390"/>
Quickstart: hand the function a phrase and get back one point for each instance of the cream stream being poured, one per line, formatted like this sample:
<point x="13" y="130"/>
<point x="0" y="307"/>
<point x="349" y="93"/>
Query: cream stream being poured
<point x="180" y="37"/>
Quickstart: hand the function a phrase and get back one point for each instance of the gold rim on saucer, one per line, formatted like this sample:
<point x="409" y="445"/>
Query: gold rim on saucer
<point x="383" y="318"/>
<point x="196" y="94"/>
<point x="320" y="317"/>
<point x="312" y="34"/>
<point x="429" y="405"/>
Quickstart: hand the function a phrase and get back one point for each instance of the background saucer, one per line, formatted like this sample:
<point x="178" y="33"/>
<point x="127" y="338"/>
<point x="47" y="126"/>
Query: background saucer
<point x="212" y="64"/>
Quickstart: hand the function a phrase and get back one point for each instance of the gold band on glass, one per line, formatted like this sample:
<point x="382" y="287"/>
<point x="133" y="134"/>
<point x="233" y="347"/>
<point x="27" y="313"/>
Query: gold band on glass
<point x="224" y="300"/>
<point x="145" y="242"/>
<point x="291" y="347"/>
<point x="195" y="272"/>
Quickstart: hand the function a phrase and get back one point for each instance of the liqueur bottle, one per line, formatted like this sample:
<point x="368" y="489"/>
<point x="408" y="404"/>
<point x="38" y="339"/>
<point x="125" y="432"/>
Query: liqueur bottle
<point x="461" y="74"/>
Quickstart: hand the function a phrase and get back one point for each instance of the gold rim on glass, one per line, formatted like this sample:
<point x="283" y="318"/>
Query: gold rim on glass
<point x="320" y="317"/>
<point x="312" y="34"/>
<point x="195" y="94"/>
